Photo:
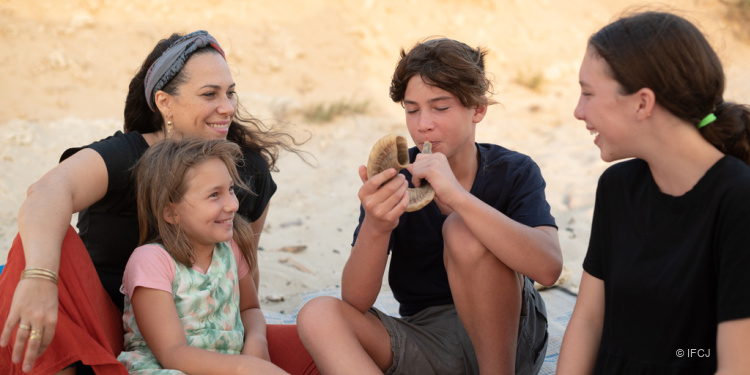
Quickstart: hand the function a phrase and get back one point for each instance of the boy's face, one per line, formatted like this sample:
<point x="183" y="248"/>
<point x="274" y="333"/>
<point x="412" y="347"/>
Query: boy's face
<point x="436" y="115"/>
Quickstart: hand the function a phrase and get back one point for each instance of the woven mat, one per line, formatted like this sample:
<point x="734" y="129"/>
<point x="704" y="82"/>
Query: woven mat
<point x="559" y="303"/>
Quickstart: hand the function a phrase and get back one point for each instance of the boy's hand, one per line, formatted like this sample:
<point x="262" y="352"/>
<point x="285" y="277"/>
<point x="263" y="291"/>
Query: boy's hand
<point x="437" y="171"/>
<point x="384" y="198"/>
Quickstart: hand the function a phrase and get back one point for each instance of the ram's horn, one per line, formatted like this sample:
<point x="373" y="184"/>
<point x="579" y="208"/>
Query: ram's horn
<point x="391" y="152"/>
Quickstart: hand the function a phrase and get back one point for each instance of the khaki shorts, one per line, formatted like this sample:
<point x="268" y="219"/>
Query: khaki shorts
<point x="434" y="341"/>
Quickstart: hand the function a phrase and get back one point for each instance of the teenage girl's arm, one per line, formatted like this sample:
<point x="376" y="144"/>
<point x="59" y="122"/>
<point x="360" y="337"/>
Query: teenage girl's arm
<point x="363" y="273"/>
<point x="43" y="220"/>
<point x="160" y="326"/>
<point x="531" y="251"/>
<point x="256" y="344"/>
<point x="584" y="332"/>
<point x="732" y="346"/>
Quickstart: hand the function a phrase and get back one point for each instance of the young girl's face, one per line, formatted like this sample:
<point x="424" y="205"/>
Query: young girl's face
<point x="604" y="109"/>
<point x="208" y="206"/>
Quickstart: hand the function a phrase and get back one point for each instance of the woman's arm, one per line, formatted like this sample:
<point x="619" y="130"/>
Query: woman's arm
<point x="43" y="220"/>
<point x="732" y="346"/>
<point x="583" y="335"/>
<point x="160" y="326"/>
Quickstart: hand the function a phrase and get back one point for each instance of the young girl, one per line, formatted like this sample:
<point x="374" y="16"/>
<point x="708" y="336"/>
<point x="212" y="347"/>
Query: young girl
<point x="662" y="289"/>
<point x="191" y="304"/>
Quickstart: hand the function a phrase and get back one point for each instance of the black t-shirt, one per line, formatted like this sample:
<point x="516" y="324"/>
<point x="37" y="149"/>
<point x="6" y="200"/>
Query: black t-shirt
<point x="109" y="227"/>
<point x="506" y="180"/>
<point x="673" y="267"/>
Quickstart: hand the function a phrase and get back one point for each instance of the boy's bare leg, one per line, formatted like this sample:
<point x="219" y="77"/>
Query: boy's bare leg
<point x="487" y="295"/>
<point x="343" y="340"/>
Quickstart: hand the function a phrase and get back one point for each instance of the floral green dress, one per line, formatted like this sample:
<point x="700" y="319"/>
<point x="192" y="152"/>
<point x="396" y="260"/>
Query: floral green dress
<point x="208" y="306"/>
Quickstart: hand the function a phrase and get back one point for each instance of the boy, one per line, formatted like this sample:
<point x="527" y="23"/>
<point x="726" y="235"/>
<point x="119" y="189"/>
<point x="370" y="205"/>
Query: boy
<point x="459" y="266"/>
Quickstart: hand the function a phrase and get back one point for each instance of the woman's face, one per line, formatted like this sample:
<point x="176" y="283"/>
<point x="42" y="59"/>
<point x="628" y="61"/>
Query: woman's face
<point x="604" y="109"/>
<point x="205" y="104"/>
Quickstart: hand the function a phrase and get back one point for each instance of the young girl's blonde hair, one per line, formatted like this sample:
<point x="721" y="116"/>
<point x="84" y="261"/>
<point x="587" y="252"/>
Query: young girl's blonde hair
<point x="160" y="181"/>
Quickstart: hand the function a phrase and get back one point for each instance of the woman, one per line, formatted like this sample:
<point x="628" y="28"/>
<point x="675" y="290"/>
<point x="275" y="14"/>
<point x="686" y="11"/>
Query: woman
<point x="661" y="289"/>
<point x="184" y="88"/>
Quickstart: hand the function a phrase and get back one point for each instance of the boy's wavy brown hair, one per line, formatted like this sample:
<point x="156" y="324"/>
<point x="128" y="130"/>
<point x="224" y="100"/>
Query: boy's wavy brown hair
<point x="447" y="64"/>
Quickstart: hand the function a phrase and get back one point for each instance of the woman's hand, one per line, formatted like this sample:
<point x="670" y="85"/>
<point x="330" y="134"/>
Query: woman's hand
<point x="34" y="312"/>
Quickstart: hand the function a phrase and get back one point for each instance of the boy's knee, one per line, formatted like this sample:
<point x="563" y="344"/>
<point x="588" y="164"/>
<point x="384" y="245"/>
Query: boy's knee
<point x="460" y="244"/>
<point x="315" y="312"/>
<point x="319" y="305"/>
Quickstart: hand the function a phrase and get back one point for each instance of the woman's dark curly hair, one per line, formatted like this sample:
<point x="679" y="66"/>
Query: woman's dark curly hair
<point x="245" y="130"/>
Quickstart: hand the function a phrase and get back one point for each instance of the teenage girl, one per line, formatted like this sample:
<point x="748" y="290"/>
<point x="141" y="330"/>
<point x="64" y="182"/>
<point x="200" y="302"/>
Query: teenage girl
<point x="663" y="285"/>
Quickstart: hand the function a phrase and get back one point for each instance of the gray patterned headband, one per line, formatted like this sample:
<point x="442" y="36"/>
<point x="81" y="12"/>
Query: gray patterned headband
<point x="173" y="60"/>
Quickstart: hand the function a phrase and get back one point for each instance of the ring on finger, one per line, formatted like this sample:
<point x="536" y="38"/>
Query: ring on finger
<point x="35" y="335"/>
<point x="24" y="326"/>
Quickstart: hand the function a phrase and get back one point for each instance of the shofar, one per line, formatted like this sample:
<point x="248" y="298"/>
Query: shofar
<point x="391" y="152"/>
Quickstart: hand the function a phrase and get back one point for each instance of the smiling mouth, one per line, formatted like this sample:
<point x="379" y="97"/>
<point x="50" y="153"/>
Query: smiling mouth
<point x="218" y="126"/>
<point x="594" y="132"/>
<point x="228" y="221"/>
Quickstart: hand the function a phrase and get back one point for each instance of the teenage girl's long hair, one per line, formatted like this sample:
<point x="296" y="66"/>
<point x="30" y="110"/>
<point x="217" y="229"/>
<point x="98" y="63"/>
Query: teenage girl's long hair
<point x="669" y="55"/>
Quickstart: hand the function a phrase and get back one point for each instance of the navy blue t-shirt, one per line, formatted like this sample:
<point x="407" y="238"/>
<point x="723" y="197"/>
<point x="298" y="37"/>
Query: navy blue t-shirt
<point x="506" y="180"/>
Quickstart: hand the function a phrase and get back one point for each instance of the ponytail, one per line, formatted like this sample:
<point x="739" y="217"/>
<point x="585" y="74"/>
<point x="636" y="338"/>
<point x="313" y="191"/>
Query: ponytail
<point x="730" y="133"/>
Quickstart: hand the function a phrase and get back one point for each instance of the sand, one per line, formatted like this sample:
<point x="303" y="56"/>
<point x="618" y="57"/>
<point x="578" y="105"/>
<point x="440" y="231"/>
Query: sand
<point x="67" y="66"/>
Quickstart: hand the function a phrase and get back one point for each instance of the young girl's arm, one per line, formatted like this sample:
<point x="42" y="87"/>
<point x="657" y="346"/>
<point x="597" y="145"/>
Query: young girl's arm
<point x="583" y="334"/>
<point x="256" y="344"/>
<point x="257" y="228"/>
<point x="160" y="326"/>
<point x="732" y="346"/>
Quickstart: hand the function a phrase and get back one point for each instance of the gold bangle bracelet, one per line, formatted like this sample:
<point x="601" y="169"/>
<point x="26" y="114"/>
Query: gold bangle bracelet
<point x="39" y="273"/>
<point x="32" y="275"/>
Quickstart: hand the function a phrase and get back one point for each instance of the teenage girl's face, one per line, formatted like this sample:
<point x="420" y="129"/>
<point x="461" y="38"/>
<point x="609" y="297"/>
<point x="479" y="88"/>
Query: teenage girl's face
<point x="207" y="209"/>
<point x="436" y="115"/>
<point x="604" y="109"/>
<point x="206" y="103"/>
